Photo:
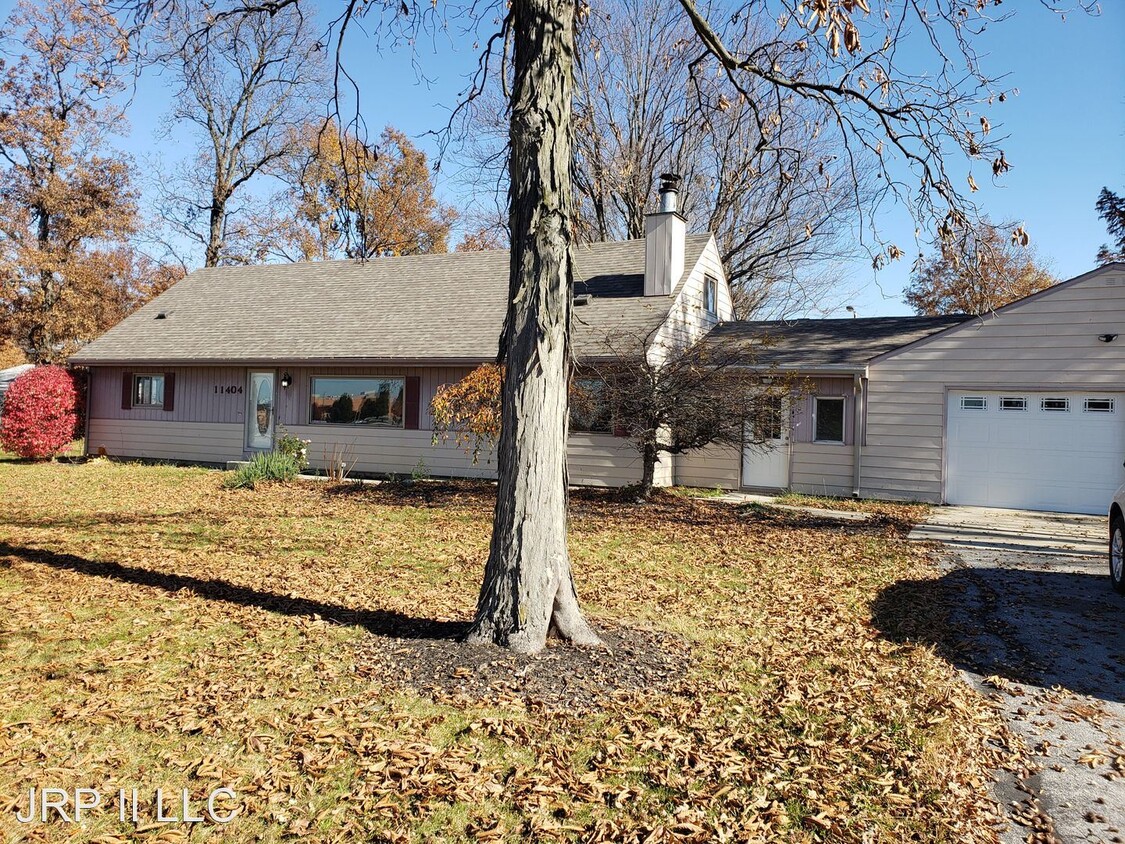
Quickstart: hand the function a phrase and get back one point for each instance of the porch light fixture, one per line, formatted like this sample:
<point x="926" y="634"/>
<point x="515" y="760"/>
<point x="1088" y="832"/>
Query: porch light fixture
<point x="286" y="380"/>
<point x="1107" y="338"/>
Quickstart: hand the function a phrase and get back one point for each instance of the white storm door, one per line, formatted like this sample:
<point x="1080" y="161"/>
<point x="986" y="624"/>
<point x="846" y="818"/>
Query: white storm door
<point x="765" y="457"/>
<point x="260" y="420"/>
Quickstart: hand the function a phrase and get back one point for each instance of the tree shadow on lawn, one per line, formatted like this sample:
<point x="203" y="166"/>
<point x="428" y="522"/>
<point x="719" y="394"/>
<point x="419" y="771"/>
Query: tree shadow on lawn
<point x="1036" y="626"/>
<point x="379" y="622"/>
<point x="429" y="656"/>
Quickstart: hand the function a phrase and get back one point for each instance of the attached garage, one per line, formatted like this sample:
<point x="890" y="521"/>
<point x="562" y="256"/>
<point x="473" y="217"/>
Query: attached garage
<point x="1023" y="407"/>
<point x="1059" y="451"/>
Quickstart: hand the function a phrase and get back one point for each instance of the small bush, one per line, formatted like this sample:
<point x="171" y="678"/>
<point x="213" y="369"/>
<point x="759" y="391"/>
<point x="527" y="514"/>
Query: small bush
<point x="295" y="447"/>
<point x="40" y="413"/>
<point x="270" y="466"/>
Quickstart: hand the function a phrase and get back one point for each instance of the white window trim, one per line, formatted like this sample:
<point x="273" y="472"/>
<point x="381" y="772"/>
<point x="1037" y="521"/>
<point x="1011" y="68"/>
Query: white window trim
<point x="711" y="285"/>
<point x="982" y="399"/>
<point x="1021" y="409"/>
<point x="148" y="405"/>
<point x="1087" y="409"/>
<point x="843" y="418"/>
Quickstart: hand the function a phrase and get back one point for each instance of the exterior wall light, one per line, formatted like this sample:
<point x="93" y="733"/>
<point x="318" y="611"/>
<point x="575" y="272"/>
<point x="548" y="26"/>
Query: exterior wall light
<point x="1107" y="338"/>
<point x="286" y="380"/>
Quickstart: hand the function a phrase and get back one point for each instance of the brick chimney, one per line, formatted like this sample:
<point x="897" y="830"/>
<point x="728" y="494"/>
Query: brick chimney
<point x="664" y="240"/>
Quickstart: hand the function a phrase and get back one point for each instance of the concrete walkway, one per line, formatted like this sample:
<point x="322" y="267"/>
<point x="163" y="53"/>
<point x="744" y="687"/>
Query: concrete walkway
<point x="990" y="528"/>
<point x="772" y="502"/>
<point x="1042" y="634"/>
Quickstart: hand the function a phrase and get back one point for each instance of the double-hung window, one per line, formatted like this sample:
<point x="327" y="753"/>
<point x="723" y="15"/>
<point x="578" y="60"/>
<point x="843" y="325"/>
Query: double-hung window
<point x="710" y="296"/>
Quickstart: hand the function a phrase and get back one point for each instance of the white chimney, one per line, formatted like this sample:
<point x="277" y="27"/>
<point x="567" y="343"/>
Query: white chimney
<point x="664" y="240"/>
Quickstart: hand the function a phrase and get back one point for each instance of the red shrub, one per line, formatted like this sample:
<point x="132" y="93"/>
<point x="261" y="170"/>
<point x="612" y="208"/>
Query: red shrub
<point x="40" y="413"/>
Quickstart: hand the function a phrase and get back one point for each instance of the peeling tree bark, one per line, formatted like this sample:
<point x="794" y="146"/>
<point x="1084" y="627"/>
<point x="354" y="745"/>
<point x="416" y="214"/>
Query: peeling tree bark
<point x="528" y="590"/>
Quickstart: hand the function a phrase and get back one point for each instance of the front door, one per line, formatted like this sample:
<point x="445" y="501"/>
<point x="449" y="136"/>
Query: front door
<point x="765" y="457"/>
<point x="260" y="419"/>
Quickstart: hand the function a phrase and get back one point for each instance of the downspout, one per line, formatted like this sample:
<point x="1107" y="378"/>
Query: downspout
<point x="89" y="406"/>
<point x="857" y="434"/>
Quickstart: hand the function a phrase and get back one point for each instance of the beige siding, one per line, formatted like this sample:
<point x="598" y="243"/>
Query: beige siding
<point x="594" y="459"/>
<point x="391" y="451"/>
<point x="600" y="460"/>
<point x="710" y="467"/>
<point x="687" y="319"/>
<point x="203" y="442"/>
<point x="1046" y="342"/>
<point x="821" y="468"/>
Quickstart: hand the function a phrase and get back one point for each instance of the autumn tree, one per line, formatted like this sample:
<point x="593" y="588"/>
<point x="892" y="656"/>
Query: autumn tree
<point x="468" y="411"/>
<point x="664" y="401"/>
<point x="11" y="354"/>
<point x="352" y="200"/>
<point x="67" y="202"/>
<point x="1111" y="209"/>
<point x="246" y="85"/>
<point x="779" y="198"/>
<point x="481" y="240"/>
<point x="900" y="90"/>
<point x="998" y="269"/>
<point x="781" y="204"/>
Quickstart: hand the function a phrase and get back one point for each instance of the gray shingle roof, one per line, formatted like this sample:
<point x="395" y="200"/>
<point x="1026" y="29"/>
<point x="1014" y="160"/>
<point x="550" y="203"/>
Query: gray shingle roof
<point x="811" y="343"/>
<point x="422" y="308"/>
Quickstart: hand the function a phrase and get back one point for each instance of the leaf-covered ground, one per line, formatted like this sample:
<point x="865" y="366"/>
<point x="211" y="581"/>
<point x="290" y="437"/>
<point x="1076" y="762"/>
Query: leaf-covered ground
<point x="158" y="630"/>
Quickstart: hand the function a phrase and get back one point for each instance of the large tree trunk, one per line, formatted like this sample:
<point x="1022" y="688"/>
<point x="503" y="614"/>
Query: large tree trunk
<point x="528" y="590"/>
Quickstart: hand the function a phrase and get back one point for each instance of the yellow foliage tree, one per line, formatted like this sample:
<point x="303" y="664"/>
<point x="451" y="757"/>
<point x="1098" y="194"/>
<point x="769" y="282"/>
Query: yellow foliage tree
<point x="355" y="201"/>
<point x="469" y="411"/>
<point x="66" y="210"/>
<point x="997" y="268"/>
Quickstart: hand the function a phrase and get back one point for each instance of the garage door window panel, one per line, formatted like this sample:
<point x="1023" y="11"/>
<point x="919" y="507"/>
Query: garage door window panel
<point x="1013" y="403"/>
<point x="1054" y="405"/>
<point x="1098" y="406"/>
<point x="828" y="420"/>
<point x="974" y="403"/>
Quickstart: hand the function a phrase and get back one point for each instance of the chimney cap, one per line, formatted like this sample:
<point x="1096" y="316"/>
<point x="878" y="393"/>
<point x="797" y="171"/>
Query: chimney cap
<point x="669" y="193"/>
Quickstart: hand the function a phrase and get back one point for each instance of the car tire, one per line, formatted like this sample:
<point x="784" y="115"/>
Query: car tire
<point x="1117" y="552"/>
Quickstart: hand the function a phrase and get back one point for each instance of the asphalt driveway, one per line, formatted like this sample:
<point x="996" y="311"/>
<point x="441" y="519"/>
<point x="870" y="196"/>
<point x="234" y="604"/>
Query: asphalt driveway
<point x="1038" y="628"/>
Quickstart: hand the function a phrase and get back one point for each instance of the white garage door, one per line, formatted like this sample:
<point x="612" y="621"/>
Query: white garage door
<point x="1035" y="451"/>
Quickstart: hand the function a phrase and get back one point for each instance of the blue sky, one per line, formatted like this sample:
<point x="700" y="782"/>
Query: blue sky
<point x="1067" y="129"/>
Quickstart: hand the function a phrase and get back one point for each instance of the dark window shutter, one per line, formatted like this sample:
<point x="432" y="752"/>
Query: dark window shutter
<point x="126" y="390"/>
<point x="169" y="390"/>
<point x="413" y="402"/>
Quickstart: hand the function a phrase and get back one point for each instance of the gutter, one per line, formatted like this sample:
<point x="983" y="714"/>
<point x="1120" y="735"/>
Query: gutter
<point x="284" y="361"/>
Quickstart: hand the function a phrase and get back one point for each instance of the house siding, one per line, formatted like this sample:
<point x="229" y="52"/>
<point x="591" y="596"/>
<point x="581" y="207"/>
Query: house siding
<point x="1046" y="342"/>
<point x="209" y="427"/>
<point x="688" y="320"/>
<point x="198" y="442"/>
<point x="196" y="399"/>
<point x="712" y="467"/>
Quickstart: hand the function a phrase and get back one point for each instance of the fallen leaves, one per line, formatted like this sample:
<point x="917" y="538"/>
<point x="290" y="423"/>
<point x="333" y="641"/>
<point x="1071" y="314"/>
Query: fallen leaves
<point x="294" y="645"/>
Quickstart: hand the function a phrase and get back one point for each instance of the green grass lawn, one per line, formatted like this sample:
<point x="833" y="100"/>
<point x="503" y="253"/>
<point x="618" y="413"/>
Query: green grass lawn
<point x="158" y="630"/>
